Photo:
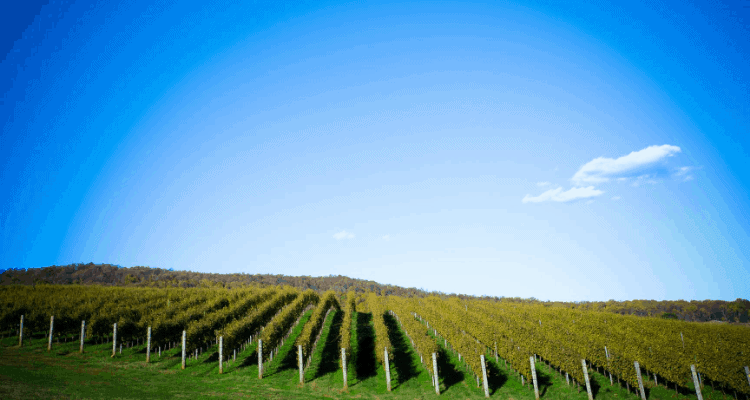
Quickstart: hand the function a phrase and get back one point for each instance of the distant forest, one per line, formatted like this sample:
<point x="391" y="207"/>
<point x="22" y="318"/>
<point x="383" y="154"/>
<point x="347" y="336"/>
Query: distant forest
<point x="107" y="274"/>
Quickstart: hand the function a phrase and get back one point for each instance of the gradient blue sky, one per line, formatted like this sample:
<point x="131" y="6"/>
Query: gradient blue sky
<point x="580" y="151"/>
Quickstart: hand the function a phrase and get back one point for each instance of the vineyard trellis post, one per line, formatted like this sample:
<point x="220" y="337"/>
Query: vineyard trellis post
<point x="83" y="333"/>
<point x="148" y="346"/>
<point x="114" y="339"/>
<point x="343" y="366"/>
<point x="640" y="379"/>
<point x="388" y="370"/>
<point x="586" y="377"/>
<point x="183" y="348"/>
<point x="20" y="333"/>
<point x="696" y="382"/>
<point x="221" y="354"/>
<point x="484" y="377"/>
<point x="301" y="370"/>
<point x="260" y="359"/>
<point x="51" y="325"/>
<point x="533" y="376"/>
<point x="435" y="374"/>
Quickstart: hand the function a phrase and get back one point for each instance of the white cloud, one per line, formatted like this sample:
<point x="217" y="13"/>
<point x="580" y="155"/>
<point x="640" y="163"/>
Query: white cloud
<point x="616" y="197"/>
<point x="644" y="179"/>
<point x="386" y="237"/>
<point x="601" y="169"/>
<point x="683" y="173"/>
<point x="560" y="196"/>
<point x="542" y="184"/>
<point x="343" y="235"/>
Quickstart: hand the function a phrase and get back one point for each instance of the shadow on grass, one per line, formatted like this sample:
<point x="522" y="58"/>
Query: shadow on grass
<point x="496" y="377"/>
<point x="331" y="353"/>
<point x="288" y="359"/>
<point x="252" y="359"/>
<point x="402" y="354"/>
<point x="365" y="363"/>
<point x="544" y="380"/>
<point x="447" y="371"/>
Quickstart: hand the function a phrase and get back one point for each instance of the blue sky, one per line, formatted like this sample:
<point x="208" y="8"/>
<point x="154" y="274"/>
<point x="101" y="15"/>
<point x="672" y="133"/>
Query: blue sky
<point x="585" y="151"/>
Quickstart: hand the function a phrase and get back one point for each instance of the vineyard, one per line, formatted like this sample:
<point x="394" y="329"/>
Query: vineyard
<point x="366" y="344"/>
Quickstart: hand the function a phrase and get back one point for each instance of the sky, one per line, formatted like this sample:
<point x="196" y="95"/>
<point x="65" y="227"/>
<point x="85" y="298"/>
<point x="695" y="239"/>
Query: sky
<point x="579" y="151"/>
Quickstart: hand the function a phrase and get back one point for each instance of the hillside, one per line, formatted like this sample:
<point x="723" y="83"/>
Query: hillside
<point x="139" y="276"/>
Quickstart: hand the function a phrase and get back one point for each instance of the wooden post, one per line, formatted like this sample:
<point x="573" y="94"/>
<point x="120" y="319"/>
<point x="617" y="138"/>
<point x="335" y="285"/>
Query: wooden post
<point x="51" y="324"/>
<point x="683" y="340"/>
<point x="696" y="382"/>
<point x="20" y="334"/>
<point x="640" y="379"/>
<point x="388" y="370"/>
<point x="586" y="376"/>
<point x="221" y="354"/>
<point x="567" y="379"/>
<point x="484" y="377"/>
<point x="747" y="373"/>
<point x="533" y="376"/>
<point x="148" y="347"/>
<point x="260" y="359"/>
<point x="183" y="348"/>
<point x="114" y="339"/>
<point x="435" y="373"/>
<point x="83" y="333"/>
<point x="343" y="365"/>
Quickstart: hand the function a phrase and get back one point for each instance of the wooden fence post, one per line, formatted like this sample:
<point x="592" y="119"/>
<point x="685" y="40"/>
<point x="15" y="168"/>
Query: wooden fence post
<point x="51" y="324"/>
<point x="586" y="376"/>
<point x="747" y="373"/>
<point x="221" y="354"/>
<point x="640" y="379"/>
<point x="696" y="382"/>
<point x="533" y="376"/>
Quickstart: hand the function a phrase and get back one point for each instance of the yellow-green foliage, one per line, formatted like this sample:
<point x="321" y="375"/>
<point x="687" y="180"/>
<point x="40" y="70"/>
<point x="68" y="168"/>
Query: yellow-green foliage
<point x="416" y="331"/>
<point x="280" y="324"/>
<point x="382" y="341"/>
<point x="346" y="324"/>
<point x="307" y="337"/>
<point x="241" y="328"/>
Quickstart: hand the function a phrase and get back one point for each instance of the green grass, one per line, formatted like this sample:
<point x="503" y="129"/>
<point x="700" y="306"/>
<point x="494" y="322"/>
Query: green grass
<point x="63" y="373"/>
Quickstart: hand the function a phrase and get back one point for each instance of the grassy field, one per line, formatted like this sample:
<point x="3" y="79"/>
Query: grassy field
<point x="63" y="373"/>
